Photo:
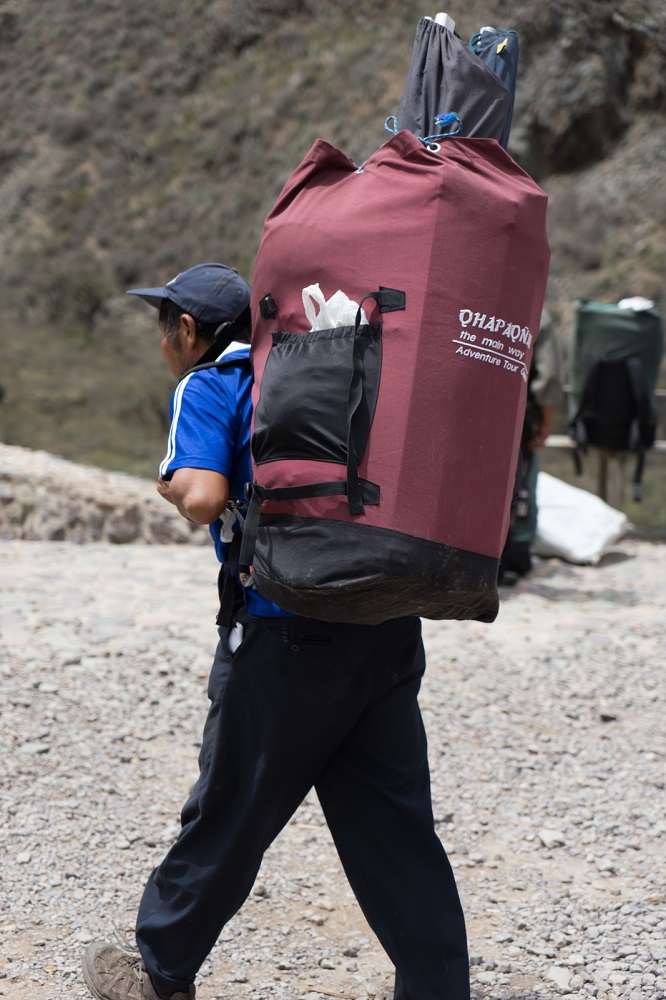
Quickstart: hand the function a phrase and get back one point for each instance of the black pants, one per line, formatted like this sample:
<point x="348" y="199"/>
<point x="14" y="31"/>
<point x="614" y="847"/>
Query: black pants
<point x="305" y="703"/>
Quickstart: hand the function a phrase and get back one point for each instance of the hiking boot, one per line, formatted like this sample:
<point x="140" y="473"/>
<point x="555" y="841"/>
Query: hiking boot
<point x="114" y="974"/>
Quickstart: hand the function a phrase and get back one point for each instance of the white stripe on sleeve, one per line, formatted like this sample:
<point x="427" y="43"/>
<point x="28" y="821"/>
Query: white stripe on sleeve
<point x="171" y="446"/>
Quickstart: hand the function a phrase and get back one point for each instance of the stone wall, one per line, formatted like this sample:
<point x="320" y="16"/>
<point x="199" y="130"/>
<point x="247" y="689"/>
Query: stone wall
<point x="46" y="498"/>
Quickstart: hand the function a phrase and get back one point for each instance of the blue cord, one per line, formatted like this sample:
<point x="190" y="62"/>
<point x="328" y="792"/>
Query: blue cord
<point x="441" y="121"/>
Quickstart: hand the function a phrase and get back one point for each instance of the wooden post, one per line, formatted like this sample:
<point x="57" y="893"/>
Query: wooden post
<point x="611" y="479"/>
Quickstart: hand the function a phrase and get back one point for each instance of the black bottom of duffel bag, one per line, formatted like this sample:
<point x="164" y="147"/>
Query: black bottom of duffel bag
<point x="340" y="571"/>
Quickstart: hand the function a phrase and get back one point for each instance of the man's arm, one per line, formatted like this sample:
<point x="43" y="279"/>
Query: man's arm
<point x="199" y="494"/>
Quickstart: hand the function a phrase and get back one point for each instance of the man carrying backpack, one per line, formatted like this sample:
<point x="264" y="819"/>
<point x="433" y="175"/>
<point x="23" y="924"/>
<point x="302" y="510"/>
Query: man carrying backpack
<point x="295" y="703"/>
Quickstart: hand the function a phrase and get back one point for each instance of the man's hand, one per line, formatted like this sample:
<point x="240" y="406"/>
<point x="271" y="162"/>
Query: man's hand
<point x="544" y="428"/>
<point x="199" y="494"/>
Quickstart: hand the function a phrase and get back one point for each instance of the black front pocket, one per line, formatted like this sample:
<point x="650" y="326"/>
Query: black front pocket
<point x="303" y="409"/>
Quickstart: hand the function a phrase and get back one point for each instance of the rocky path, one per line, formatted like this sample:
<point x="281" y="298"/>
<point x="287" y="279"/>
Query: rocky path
<point x="548" y="754"/>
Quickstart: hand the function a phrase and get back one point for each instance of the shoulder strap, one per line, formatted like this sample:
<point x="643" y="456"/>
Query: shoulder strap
<point x="644" y="416"/>
<point x="586" y="403"/>
<point x="229" y="597"/>
<point x="219" y="364"/>
<point x="577" y="427"/>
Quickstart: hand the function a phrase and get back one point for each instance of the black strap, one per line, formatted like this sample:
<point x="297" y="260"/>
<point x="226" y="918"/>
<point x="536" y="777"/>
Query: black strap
<point x="578" y="432"/>
<point x="388" y="300"/>
<point x="225" y="334"/>
<point x="229" y="574"/>
<point x="256" y="494"/>
<point x="354" y="398"/>
<point x="334" y="488"/>
<point x="227" y="584"/>
<point x="220" y="363"/>
<point x="577" y="427"/>
<point x="640" y="435"/>
<point x="639" y="388"/>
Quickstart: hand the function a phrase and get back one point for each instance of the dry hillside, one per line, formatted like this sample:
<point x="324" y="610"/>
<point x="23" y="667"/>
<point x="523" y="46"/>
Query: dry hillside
<point x="136" y="139"/>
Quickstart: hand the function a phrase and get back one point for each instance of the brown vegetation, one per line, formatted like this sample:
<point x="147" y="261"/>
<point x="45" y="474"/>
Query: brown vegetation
<point x="136" y="140"/>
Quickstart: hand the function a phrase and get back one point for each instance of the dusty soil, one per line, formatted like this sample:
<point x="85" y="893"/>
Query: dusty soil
<point x="547" y="748"/>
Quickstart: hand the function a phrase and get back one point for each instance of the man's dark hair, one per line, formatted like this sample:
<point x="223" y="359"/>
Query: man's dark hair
<point x="170" y="313"/>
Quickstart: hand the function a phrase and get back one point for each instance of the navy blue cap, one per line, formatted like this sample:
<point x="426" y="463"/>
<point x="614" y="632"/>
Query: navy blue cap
<point x="211" y="293"/>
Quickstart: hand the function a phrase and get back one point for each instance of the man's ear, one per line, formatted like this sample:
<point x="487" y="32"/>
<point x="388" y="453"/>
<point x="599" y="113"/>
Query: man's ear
<point x="188" y="329"/>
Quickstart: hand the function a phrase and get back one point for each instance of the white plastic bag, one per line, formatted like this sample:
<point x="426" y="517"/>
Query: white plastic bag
<point x="339" y="310"/>
<point x="637" y="303"/>
<point x="573" y="524"/>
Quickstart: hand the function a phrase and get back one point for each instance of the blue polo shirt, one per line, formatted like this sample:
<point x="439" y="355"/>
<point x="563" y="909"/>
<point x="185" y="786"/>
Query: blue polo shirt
<point x="211" y="412"/>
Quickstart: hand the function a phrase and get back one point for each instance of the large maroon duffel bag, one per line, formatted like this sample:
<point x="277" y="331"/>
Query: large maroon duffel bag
<point x="384" y="452"/>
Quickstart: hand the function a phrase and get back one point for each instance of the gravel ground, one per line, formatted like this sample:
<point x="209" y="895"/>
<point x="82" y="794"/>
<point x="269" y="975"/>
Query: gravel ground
<point x="547" y="746"/>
